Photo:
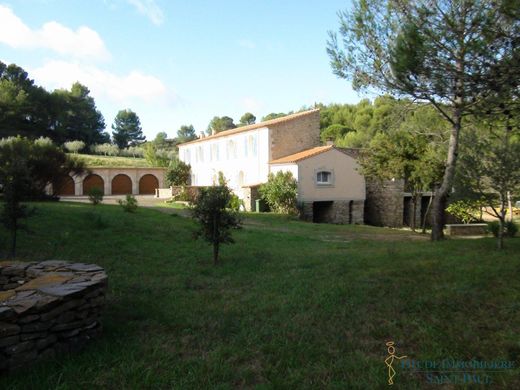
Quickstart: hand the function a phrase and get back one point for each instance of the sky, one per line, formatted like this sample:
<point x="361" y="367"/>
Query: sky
<point x="178" y="62"/>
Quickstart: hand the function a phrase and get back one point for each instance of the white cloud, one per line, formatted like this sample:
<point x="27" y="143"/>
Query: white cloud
<point x="150" y="9"/>
<point x="83" y="43"/>
<point x="246" y="43"/>
<point x="134" y="85"/>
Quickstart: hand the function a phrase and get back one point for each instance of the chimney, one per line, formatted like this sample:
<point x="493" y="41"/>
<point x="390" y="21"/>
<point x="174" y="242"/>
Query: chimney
<point x="202" y="135"/>
<point x="213" y="131"/>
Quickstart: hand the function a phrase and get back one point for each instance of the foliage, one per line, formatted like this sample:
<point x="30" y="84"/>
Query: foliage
<point x="129" y="204"/>
<point x="247" y="119"/>
<point x="106" y="149"/>
<point x="126" y="129"/>
<point x="184" y="196"/>
<point x="424" y="50"/>
<point x="132" y="151"/>
<point x="214" y="216"/>
<point x="489" y="164"/>
<point x="219" y="124"/>
<point x="95" y="195"/>
<point x="30" y="111"/>
<point x="273" y="115"/>
<point x="236" y="204"/>
<point x="465" y="210"/>
<point x="186" y="133"/>
<point x="509" y="229"/>
<point x="74" y="146"/>
<point x="76" y="117"/>
<point x="156" y="157"/>
<point x="280" y="192"/>
<point x="45" y="163"/>
<point x="15" y="180"/>
<point x="179" y="173"/>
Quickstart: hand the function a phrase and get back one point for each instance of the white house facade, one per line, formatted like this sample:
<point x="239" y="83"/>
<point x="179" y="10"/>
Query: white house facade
<point x="328" y="182"/>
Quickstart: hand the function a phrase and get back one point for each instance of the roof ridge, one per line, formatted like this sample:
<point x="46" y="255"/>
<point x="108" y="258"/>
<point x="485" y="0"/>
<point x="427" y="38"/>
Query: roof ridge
<point x="241" y="129"/>
<point x="302" y="155"/>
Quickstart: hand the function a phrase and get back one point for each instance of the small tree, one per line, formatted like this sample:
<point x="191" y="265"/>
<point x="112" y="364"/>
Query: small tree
<point x="74" y="146"/>
<point x="16" y="184"/>
<point x="95" y="195"/>
<point x="179" y="173"/>
<point x="280" y="192"/>
<point x="216" y="219"/>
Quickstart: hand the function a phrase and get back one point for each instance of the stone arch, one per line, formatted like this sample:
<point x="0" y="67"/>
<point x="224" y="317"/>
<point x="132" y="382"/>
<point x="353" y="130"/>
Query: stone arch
<point x="92" y="181"/>
<point x="147" y="184"/>
<point x="121" y="185"/>
<point x="66" y="187"/>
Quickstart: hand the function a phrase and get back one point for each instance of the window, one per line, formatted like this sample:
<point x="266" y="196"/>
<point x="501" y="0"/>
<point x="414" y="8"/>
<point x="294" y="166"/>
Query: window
<point x="324" y="177"/>
<point x="214" y="155"/>
<point x="231" y="150"/>
<point x="252" y="144"/>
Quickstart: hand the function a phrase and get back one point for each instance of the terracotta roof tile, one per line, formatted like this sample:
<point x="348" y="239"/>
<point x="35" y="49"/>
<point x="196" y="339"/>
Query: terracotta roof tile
<point x="302" y="155"/>
<point x="272" y="122"/>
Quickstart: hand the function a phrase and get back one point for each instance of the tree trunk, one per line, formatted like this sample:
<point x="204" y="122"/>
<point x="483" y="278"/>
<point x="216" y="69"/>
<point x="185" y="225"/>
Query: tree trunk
<point x="509" y="206"/>
<point x="426" y="214"/>
<point x="215" y="253"/>
<point x="441" y="194"/>
<point x="500" y="241"/>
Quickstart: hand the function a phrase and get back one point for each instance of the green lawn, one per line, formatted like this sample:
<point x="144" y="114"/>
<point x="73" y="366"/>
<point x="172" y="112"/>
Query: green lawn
<point x="293" y="305"/>
<point x="96" y="161"/>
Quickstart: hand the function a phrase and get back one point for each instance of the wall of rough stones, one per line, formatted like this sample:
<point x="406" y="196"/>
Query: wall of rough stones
<point x="47" y="308"/>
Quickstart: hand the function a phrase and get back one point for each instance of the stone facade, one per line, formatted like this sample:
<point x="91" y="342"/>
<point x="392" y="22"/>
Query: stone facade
<point x="338" y="211"/>
<point x="294" y="136"/>
<point x="384" y="204"/>
<point x="47" y="308"/>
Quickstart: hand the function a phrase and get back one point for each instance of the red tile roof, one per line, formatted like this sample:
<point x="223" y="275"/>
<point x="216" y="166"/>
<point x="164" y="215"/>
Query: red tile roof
<point x="302" y="155"/>
<point x="270" y="123"/>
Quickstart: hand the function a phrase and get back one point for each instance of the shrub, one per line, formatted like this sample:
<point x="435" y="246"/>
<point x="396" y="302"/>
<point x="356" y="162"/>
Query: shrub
<point x="280" y="192"/>
<point x="465" y="210"/>
<point x="212" y="212"/>
<point x="74" y="146"/>
<point x="95" y="195"/>
<point x="129" y="204"/>
<point x="235" y="203"/>
<point x="510" y="228"/>
<point x="178" y="174"/>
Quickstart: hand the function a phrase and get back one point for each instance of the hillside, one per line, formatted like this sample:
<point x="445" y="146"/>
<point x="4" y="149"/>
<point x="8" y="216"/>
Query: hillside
<point x="96" y="161"/>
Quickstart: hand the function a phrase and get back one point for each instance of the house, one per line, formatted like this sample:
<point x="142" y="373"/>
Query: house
<point x="329" y="187"/>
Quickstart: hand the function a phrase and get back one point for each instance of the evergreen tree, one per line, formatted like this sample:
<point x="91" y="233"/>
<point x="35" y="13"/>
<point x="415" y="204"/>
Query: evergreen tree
<point x="126" y="130"/>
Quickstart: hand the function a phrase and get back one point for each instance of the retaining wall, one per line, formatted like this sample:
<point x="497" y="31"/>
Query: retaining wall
<point x="47" y="308"/>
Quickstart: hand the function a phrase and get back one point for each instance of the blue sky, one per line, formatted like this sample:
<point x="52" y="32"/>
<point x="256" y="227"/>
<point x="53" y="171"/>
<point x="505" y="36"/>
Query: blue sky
<point x="179" y="62"/>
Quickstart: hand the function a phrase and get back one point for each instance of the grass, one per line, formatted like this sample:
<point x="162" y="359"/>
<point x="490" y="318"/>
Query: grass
<point x="96" y="161"/>
<point x="293" y="305"/>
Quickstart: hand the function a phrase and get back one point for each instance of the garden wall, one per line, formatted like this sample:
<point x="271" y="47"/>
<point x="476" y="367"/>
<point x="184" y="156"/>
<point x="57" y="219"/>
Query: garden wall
<point x="47" y="308"/>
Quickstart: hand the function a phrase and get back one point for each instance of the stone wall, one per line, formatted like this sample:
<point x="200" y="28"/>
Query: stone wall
<point x="384" y="204"/>
<point x="47" y="308"/>
<point x="295" y="135"/>
<point x="338" y="211"/>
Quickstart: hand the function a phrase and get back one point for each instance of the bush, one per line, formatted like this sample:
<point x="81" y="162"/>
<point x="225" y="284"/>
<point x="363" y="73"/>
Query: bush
<point x="95" y="195"/>
<point x="129" y="204"/>
<point x="212" y="212"/>
<point x="235" y="203"/>
<point x="510" y="228"/>
<point x="280" y="193"/>
<point x="178" y="174"/>
<point x="74" y="146"/>
<point x="465" y="210"/>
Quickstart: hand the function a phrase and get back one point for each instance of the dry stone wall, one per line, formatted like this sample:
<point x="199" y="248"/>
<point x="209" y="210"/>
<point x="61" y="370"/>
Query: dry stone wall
<point x="47" y="308"/>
